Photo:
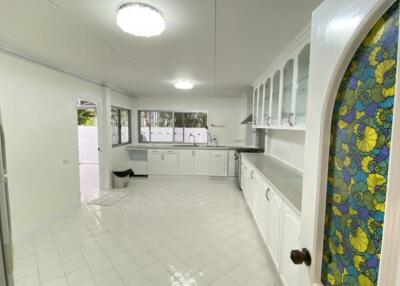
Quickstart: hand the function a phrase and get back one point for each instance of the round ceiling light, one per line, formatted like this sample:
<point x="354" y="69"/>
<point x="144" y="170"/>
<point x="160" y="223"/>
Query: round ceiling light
<point x="140" y="20"/>
<point x="184" y="84"/>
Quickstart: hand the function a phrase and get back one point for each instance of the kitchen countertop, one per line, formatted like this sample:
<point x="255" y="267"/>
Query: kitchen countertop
<point x="190" y="147"/>
<point x="283" y="178"/>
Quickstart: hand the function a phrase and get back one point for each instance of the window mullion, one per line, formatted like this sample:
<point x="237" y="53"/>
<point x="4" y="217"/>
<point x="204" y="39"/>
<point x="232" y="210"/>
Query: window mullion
<point x="119" y="127"/>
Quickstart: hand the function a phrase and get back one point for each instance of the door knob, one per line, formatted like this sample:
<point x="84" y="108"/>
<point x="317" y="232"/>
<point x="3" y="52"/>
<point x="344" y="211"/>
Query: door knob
<point x="301" y="256"/>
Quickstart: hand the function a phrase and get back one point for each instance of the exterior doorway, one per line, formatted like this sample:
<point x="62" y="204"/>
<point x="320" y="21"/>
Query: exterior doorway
<point x="88" y="138"/>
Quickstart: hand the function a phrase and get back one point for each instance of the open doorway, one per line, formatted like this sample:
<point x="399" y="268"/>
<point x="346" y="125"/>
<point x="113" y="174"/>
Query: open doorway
<point x="88" y="138"/>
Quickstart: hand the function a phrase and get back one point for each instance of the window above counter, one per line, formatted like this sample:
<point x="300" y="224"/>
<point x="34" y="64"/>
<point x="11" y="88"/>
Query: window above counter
<point x="172" y="127"/>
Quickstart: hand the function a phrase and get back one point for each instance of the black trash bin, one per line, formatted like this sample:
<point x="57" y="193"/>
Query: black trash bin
<point x="121" y="178"/>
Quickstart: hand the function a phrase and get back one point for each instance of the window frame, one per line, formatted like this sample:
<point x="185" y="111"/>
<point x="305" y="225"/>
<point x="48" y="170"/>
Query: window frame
<point x="120" y="126"/>
<point x="173" y="128"/>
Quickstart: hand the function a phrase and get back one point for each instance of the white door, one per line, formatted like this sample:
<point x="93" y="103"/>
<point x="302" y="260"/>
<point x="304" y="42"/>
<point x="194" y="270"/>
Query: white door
<point x="290" y="241"/>
<point x="218" y="163"/>
<point x="88" y="143"/>
<point x="338" y="28"/>
<point x="187" y="162"/>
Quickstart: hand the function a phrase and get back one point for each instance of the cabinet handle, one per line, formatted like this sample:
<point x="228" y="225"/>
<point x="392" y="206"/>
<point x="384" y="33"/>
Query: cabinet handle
<point x="251" y="174"/>
<point x="266" y="193"/>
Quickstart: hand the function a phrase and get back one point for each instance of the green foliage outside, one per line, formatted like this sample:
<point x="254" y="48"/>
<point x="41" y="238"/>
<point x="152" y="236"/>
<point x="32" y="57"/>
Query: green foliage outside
<point x="86" y="117"/>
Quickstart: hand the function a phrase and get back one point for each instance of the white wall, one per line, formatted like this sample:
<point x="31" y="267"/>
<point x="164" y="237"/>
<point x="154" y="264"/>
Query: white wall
<point x="118" y="153"/>
<point x="288" y="146"/>
<point x="221" y="111"/>
<point x="38" y="107"/>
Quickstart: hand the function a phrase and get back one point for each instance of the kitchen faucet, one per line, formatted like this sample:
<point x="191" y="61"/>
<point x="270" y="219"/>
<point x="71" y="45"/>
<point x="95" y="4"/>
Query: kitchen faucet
<point x="194" y="139"/>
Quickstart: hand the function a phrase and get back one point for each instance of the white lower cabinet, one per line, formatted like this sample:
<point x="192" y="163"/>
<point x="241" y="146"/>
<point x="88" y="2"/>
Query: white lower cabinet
<point x="290" y="241"/>
<point x="218" y="163"/>
<point x="163" y="162"/>
<point x="155" y="162"/>
<point x="201" y="162"/>
<point x="187" y="162"/>
<point x="278" y="223"/>
<point x="170" y="162"/>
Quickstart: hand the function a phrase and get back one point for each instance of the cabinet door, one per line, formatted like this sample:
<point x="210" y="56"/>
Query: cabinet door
<point x="274" y="226"/>
<point x="263" y="212"/>
<point x="260" y="99"/>
<point x="186" y="162"/>
<point x="290" y="240"/>
<point x="259" y="202"/>
<point x="218" y="163"/>
<point x="243" y="175"/>
<point x="202" y="160"/>
<point x="170" y="162"/>
<point x="232" y="163"/>
<point x="267" y="103"/>
<point x="155" y="162"/>
<point x="276" y="89"/>
<point x="255" y="95"/>
<point x="287" y="93"/>
<point x="249" y="193"/>
<point x="302" y="86"/>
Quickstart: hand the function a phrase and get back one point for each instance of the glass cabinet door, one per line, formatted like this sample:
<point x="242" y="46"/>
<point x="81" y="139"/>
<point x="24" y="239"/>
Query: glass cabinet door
<point x="255" y="96"/>
<point x="302" y="85"/>
<point x="286" y="112"/>
<point x="260" y="104"/>
<point x="267" y="101"/>
<point x="275" y="98"/>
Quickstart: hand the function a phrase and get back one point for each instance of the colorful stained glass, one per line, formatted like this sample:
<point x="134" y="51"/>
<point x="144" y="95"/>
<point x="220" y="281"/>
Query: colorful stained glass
<point x="359" y="158"/>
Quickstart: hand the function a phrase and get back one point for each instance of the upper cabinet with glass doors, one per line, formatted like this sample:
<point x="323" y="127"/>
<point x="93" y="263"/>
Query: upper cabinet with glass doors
<point x="303" y="64"/>
<point x="280" y="94"/>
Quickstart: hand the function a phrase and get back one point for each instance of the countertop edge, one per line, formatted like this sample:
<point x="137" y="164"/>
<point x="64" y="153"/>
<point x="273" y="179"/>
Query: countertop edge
<point x="133" y="147"/>
<point x="274" y="185"/>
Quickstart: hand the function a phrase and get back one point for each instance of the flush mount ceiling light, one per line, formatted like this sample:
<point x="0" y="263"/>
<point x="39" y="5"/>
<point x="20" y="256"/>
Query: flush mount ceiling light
<point x="184" y="84"/>
<point x="140" y="20"/>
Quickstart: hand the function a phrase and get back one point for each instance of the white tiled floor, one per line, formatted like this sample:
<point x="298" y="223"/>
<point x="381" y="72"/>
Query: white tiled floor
<point x="169" y="231"/>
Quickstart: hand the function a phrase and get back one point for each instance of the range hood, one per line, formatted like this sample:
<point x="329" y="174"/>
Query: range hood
<point x="248" y="120"/>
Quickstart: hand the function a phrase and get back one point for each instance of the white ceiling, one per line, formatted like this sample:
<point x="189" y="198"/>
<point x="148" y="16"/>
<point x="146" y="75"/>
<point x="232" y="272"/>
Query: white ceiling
<point x="81" y="36"/>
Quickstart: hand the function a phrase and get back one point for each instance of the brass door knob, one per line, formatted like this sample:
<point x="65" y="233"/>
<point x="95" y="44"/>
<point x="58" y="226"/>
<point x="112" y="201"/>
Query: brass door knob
<point x="301" y="256"/>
